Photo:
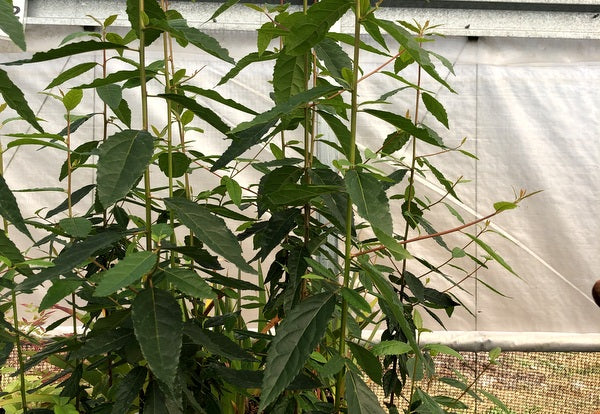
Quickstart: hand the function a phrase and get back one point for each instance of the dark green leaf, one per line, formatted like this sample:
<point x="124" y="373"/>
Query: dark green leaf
<point x="76" y="122"/>
<point x="152" y="10"/>
<point x="406" y="124"/>
<point x="71" y="257"/>
<point x="122" y="159"/>
<point x="355" y="300"/>
<point x="15" y="99"/>
<point x="106" y="341"/>
<point x="11" y="25"/>
<point x="199" y="255"/>
<point x="369" y="197"/>
<point x="233" y="283"/>
<point x="128" y="389"/>
<point x="210" y="229"/>
<point x="205" y="114"/>
<point x="9" y="250"/>
<point x="273" y="181"/>
<point x="395" y="142"/>
<point x="428" y="404"/>
<point x="158" y="327"/>
<point x="76" y="226"/>
<point x="277" y="228"/>
<point x="245" y="61"/>
<point x="216" y="343"/>
<point x="127" y="271"/>
<point x="314" y="25"/>
<point x="67" y="50"/>
<point x="359" y="397"/>
<point x="337" y="202"/>
<point x="222" y="8"/>
<point x="179" y="164"/>
<point x="189" y="282"/>
<point x="110" y="94"/>
<point x="156" y="401"/>
<point x="296" y="338"/>
<point x="298" y="194"/>
<point x="9" y="209"/>
<point x="58" y="291"/>
<point x="435" y="108"/>
<point x="217" y="97"/>
<point x="289" y="77"/>
<point x="115" y="77"/>
<point x="391" y="348"/>
<point x="33" y="141"/>
<point x="349" y="40"/>
<point x="78" y="157"/>
<point x="368" y="362"/>
<point x="76" y="197"/>
<point x="492" y="253"/>
<point x="333" y="56"/>
<point x="448" y="185"/>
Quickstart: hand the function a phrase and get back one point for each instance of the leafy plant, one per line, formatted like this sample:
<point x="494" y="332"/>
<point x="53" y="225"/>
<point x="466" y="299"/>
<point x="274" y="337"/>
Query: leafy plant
<point x="158" y="286"/>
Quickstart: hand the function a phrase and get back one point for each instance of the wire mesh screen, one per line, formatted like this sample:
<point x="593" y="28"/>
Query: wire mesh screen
<point x="526" y="382"/>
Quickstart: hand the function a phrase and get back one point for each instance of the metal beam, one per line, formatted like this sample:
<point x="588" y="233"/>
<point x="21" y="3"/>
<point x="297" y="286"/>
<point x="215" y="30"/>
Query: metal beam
<point x="574" y="19"/>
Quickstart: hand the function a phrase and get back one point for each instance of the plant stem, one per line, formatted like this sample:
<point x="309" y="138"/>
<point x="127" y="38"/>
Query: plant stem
<point x="144" y="108"/>
<point x="22" y="391"/>
<point x="339" y="389"/>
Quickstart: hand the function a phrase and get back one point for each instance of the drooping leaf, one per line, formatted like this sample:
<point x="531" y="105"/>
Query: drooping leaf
<point x="199" y="255"/>
<point x="179" y="29"/>
<point x="333" y="56"/>
<point x="296" y="338"/>
<point x="407" y="125"/>
<point x="222" y="8"/>
<point x="129" y="389"/>
<point x="217" y="97"/>
<point x="442" y="349"/>
<point x="245" y="61"/>
<point x="34" y="141"/>
<point x="11" y="25"/>
<point x="9" y="209"/>
<point x="276" y="229"/>
<point x="368" y="196"/>
<point x="67" y="50"/>
<point x="273" y="181"/>
<point x="189" y="282"/>
<point x="289" y="76"/>
<point x="204" y="113"/>
<point x="492" y="253"/>
<point x="355" y="300"/>
<point x="76" y="226"/>
<point x="119" y="76"/>
<point x="122" y="159"/>
<point x="210" y="229"/>
<point x="110" y="94"/>
<point x="448" y="185"/>
<point x="126" y="272"/>
<point x="367" y="361"/>
<point x="76" y="254"/>
<point x="428" y="404"/>
<point x="337" y="203"/>
<point x="76" y="122"/>
<point x="314" y="25"/>
<point x="435" y="108"/>
<point x="158" y="327"/>
<point x="59" y="290"/>
<point x="15" y="99"/>
<point x="9" y="250"/>
<point x="233" y="189"/>
<point x="298" y="194"/>
<point x="392" y="245"/>
<point x="359" y="397"/>
<point x="78" y="157"/>
<point x="76" y="197"/>
<point x="216" y="343"/>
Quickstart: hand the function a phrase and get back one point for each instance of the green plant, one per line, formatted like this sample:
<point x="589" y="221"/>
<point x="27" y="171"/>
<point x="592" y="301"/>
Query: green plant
<point x="154" y="270"/>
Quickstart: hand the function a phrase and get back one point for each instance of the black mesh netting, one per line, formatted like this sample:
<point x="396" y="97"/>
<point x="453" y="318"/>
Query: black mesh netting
<point x="527" y="382"/>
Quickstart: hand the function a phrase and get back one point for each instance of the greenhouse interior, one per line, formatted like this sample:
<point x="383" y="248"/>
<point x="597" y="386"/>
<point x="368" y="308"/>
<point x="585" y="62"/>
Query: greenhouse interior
<point x="331" y="206"/>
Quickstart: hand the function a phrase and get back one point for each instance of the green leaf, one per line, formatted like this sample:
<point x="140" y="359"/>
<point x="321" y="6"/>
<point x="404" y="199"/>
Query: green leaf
<point x="298" y="194"/>
<point x="414" y="49"/>
<point x="342" y="133"/>
<point x="216" y="343"/>
<point x="276" y="229"/>
<point x="314" y="25"/>
<point x="76" y="254"/>
<point x="492" y="253"/>
<point x="111" y="95"/>
<point x="355" y="300"/>
<point x="115" y="77"/>
<point x="428" y="404"/>
<point x="210" y="229"/>
<point x="158" y="327"/>
<point x="108" y="340"/>
<point x="296" y="338"/>
<point x="76" y="122"/>
<point x="370" y="199"/>
<point x="122" y="159"/>
<point x="33" y="141"/>
<point x="151" y="10"/>
<point x="189" y="282"/>
<point x="391" y="348"/>
<point x="333" y="56"/>
<point x="9" y="209"/>
<point x="179" y="29"/>
<point x="76" y="197"/>
<point x="233" y="189"/>
<point x="76" y="226"/>
<point x="9" y="250"/>
<point x="222" y="8"/>
<point x="127" y="271"/>
<point x="406" y="124"/>
<point x="273" y="181"/>
<point x="67" y="50"/>
<point x="129" y="389"/>
<point x="180" y="164"/>
<point x="11" y="25"/>
<point x="392" y="301"/>
<point x="199" y="255"/>
<point x="58" y="291"/>
<point x="72" y="99"/>
<point x="504" y="205"/>
<point x="288" y="77"/>
<point x="359" y="397"/>
<point x="15" y="99"/>
<point x="442" y="349"/>
<point x="245" y="61"/>
<point x="217" y="97"/>
<point x="204" y="113"/>
<point x="368" y="362"/>
<point x="435" y="108"/>
<point x="392" y="245"/>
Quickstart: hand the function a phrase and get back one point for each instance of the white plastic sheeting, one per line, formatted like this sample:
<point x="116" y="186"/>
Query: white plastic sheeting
<point x="530" y="111"/>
